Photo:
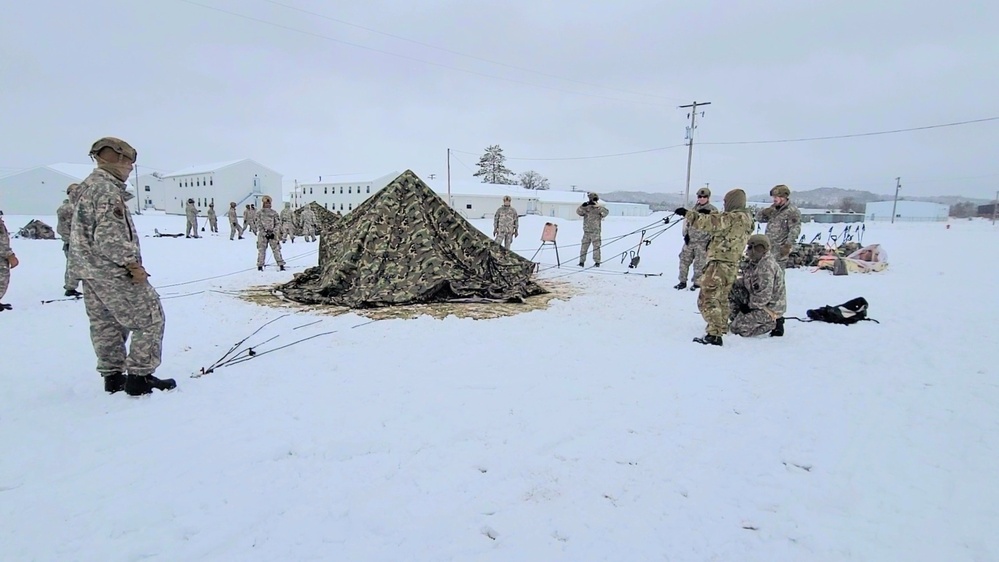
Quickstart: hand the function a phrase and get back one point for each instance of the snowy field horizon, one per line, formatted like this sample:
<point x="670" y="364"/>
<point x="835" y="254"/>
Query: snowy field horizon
<point x="593" y="429"/>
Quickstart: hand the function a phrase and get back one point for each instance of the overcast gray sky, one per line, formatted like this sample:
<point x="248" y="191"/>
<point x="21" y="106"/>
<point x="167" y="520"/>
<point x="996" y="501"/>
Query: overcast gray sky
<point x="187" y="84"/>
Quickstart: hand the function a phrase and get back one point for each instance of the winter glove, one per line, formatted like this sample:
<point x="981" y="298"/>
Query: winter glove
<point x="744" y="308"/>
<point x="138" y="273"/>
<point x="704" y="211"/>
<point x="680" y="211"/>
<point x="588" y="204"/>
<point x="785" y="250"/>
<point x="269" y="235"/>
<point x="768" y="212"/>
<point x="12" y="261"/>
<point x="686" y="239"/>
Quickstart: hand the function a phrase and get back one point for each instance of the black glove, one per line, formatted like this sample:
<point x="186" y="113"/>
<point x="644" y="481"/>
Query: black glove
<point x="704" y="211"/>
<point x="269" y="235"/>
<point x="680" y="211"/>
<point x="588" y="203"/>
<point x="744" y="308"/>
<point x="686" y="239"/>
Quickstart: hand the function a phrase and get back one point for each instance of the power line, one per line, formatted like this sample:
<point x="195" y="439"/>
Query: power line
<point x="406" y="57"/>
<point x="854" y="135"/>
<point x="586" y="157"/>
<point x="460" y="54"/>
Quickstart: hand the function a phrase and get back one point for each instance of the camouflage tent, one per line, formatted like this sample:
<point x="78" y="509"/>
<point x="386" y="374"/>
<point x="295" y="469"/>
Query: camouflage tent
<point x="37" y="230"/>
<point x="405" y="245"/>
<point x="325" y="219"/>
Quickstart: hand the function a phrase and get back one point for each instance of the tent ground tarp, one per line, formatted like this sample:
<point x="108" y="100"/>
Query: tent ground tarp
<point x="405" y="245"/>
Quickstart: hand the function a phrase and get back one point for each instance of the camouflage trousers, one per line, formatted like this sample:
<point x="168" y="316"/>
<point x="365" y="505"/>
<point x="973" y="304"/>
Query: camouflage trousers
<point x="504" y="238"/>
<point x="590" y="238"/>
<point x="234" y="230"/>
<point x="213" y="224"/>
<point x="192" y="228"/>
<point x="696" y="254"/>
<point x="4" y="276"/>
<point x="712" y="302"/>
<point x="288" y="231"/>
<point x="69" y="283"/>
<point x="309" y="232"/>
<point x="118" y="309"/>
<point x="274" y="243"/>
<point x="754" y="323"/>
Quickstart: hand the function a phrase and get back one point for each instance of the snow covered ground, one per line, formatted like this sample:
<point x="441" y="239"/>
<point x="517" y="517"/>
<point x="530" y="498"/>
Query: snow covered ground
<point x="593" y="430"/>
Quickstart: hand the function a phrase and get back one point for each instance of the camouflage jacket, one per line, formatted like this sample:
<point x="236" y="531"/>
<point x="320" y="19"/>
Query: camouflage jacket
<point x="268" y="221"/>
<point x="729" y="233"/>
<point x="191" y="211"/>
<point x="211" y="214"/>
<point x="308" y="217"/>
<point x="233" y="215"/>
<point x="5" y="251"/>
<point x="592" y="215"/>
<point x="783" y="225"/>
<point x="247" y="216"/>
<point x="764" y="280"/>
<point x="64" y="218"/>
<point x="102" y="237"/>
<point x="288" y="217"/>
<point x="698" y="236"/>
<point x="506" y="220"/>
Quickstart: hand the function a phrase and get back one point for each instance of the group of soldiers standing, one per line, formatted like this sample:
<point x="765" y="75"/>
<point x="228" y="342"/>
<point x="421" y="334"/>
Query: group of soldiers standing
<point x="740" y="274"/>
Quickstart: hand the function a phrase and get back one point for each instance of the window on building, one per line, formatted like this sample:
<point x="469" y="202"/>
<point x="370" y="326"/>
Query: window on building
<point x="211" y="181"/>
<point x="468" y="206"/>
<point x="350" y="206"/>
<point x="350" y="189"/>
<point x="326" y="191"/>
<point x="310" y="191"/>
<point x="213" y="200"/>
<point x="147" y="188"/>
<point x="368" y="189"/>
<point x="341" y="204"/>
<point x="326" y="206"/>
<point x="341" y="190"/>
<point x="198" y="183"/>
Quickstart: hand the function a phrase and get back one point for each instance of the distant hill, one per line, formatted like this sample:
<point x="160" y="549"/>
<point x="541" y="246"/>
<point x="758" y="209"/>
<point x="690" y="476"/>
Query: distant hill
<point x="821" y="198"/>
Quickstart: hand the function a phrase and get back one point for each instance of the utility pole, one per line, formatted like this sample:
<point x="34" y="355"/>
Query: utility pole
<point x="138" y="196"/>
<point x="432" y="176"/>
<point x="449" y="178"/>
<point x="898" y="186"/>
<point x="690" y="143"/>
<point x="573" y="186"/>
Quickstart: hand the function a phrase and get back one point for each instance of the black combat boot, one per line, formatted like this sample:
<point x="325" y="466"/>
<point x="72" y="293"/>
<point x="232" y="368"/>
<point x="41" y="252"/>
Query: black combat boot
<point x="680" y="286"/>
<point x="113" y="382"/>
<point x="73" y="293"/>
<point x="260" y="268"/>
<point x="596" y="264"/>
<point x="709" y="340"/>
<point x="581" y="264"/>
<point x="4" y="307"/>
<point x="137" y="385"/>
<point x="281" y="267"/>
<point x="778" y="331"/>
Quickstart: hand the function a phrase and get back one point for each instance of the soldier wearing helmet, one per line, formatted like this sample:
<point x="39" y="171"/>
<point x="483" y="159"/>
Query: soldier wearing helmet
<point x="64" y="218"/>
<point x="593" y="213"/>
<point x="233" y="215"/>
<point x="758" y="298"/>
<point x="104" y="252"/>
<point x="8" y="261"/>
<point x="213" y="219"/>
<point x="695" y="243"/>
<point x="268" y="233"/>
<point x="783" y="223"/>
<point x="506" y="223"/>
<point x="192" y="219"/>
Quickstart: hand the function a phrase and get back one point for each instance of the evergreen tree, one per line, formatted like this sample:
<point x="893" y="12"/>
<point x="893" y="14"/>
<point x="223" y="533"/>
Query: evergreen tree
<point x="492" y="167"/>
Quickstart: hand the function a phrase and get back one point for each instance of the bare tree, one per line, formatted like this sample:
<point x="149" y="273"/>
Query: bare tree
<point x="851" y="205"/>
<point x="533" y="180"/>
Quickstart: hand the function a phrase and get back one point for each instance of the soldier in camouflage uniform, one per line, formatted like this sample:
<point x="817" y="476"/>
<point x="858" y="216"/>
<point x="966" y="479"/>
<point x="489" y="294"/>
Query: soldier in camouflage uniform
<point x="729" y="232"/>
<point x="8" y="261"/>
<point x="268" y="234"/>
<point x="64" y="216"/>
<point x="783" y="223"/>
<point x="192" y="220"/>
<point x="213" y="219"/>
<point x="287" y="223"/>
<point x="758" y="298"/>
<point x="308" y="224"/>
<point x="695" y="243"/>
<point x="506" y="223"/>
<point x="233" y="216"/>
<point x="104" y="252"/>
<point x="248" y="220"/>
<point x="593" y="213"/>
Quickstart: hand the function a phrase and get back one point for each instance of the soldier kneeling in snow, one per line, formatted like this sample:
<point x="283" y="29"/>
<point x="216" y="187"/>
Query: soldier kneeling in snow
<point x="758" y="298"/>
